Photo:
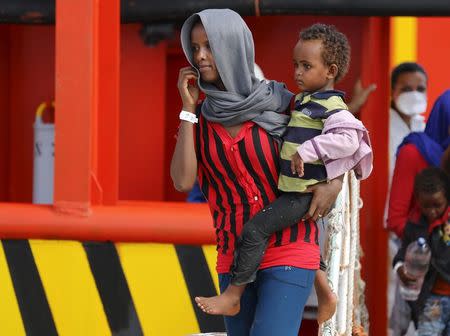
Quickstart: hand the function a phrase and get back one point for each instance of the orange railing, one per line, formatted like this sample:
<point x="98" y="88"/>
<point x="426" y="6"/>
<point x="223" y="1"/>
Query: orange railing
<point x="161" y="222"/>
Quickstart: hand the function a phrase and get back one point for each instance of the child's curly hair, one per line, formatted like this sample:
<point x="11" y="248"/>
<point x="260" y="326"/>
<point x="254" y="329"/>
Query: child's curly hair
<point x="432" y="180"/>
<point x="336" y="49"/>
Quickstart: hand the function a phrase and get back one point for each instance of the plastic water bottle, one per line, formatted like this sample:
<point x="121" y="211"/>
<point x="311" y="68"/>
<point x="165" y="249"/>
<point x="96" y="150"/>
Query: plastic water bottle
<point x="416" y="264"/>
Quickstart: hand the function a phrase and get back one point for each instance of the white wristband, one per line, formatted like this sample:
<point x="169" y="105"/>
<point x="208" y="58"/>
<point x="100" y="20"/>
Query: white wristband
<point x="188" y="116"/>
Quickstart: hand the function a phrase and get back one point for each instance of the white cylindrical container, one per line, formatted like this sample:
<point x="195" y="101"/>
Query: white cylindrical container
<point x="417" y="261"/>
<point x="44" y="159"/>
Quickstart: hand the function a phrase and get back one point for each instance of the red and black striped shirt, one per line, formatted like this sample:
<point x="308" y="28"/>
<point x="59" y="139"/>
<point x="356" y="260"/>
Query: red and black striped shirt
<point x="239" y="177"/>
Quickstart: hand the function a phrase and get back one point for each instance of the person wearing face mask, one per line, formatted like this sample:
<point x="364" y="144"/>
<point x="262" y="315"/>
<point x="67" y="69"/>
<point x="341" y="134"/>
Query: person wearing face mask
<point x="416" y="152"/>
<point x="408" y="103"/>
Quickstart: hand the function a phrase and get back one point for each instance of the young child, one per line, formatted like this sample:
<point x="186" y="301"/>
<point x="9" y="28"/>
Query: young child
<point x="323" y="141"/>
<point x="430" y="311"/>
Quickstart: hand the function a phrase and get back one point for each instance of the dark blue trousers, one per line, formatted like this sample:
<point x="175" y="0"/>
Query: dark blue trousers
<point x="273" y="304"/>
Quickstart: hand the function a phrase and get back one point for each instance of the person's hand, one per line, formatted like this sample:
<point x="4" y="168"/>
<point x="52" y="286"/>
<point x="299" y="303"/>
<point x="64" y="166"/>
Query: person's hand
<point x="324" y="196"/>
<point x="188" y="92"/>
<point x="360" y="95"/>
<point x="297" y="165"/>
<point x="406" y="278"/>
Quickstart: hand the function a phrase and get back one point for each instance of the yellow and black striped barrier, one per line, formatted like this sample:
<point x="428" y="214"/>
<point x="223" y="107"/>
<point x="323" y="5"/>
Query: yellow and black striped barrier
<point x="56" y="287"/>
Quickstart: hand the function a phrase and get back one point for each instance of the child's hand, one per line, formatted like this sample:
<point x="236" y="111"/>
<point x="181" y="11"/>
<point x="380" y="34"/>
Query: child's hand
<point x="406" y="278"/>
<point x="297" y="165"/>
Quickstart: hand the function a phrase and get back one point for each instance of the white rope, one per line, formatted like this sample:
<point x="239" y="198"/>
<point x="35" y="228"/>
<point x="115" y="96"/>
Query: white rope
<point x="360" y="312"/>
<point x="333" y="252"/>
<point x="354" y="226"/>
<point x="342" y="257"/>
<point x="345" y="259"/>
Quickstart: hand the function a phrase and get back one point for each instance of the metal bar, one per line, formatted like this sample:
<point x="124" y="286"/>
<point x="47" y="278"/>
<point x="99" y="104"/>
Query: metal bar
<point x="161" y="222"/>
<point x="43" y="11"/>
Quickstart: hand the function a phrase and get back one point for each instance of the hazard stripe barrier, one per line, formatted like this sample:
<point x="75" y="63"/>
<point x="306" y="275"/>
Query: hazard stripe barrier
<point x="195" y="267"/>
<point x="34" y="308"/>
<point x="53" y="287"/>
<point x="70" y="287"/>
<point x="113" y="288"/>
<point x="10" y="318"/>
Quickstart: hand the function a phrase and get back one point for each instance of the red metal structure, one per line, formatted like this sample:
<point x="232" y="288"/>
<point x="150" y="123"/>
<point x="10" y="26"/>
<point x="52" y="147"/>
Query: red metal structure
<point x="116" y="116"/>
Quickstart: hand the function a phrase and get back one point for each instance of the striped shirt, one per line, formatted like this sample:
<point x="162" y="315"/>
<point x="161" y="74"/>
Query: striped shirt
<point x="307" y="121"/>
<point x="238" y="176"/>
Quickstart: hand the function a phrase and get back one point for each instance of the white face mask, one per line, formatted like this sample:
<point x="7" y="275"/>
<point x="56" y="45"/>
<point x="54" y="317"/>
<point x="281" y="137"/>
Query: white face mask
<point x="411" y="103"/>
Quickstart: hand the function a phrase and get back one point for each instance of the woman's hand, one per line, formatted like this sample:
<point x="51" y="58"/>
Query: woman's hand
<point x="406" y="278"/>
<point x="325" y="195"/>
<point x="188" y="92"/>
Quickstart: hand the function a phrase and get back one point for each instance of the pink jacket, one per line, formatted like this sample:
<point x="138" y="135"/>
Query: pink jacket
<point x="343" y="145"/>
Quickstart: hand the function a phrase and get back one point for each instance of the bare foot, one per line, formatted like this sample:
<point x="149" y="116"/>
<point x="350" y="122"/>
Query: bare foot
<point x="358" y="331"/>
<point x="326" y="307"/>
<point x="223" y="304"/>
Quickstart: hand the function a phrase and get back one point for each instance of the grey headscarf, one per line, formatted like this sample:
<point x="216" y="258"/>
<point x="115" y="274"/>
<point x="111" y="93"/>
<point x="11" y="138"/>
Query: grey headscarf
<point x="246" y="97"/>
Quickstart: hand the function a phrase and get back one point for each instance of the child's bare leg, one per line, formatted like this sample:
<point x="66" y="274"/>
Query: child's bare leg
<point x="327" y="300"/>
<point x="228" y="303"/>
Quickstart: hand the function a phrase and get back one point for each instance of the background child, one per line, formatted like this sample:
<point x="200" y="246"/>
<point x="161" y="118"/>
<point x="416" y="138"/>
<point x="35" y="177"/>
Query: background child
<point x="323" y="141"/>
<point x="431" y="311"/>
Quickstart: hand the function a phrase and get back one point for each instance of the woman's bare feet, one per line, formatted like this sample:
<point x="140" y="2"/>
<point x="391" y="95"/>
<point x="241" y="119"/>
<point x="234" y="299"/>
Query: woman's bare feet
<point x="223" y="304"/>
<point x="326" y="306"/>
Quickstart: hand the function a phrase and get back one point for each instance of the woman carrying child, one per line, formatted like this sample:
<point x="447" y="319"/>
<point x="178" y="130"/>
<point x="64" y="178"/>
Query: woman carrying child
<point x="323" y="140"/>
<point x="235" y="156"/>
